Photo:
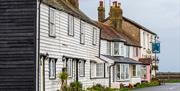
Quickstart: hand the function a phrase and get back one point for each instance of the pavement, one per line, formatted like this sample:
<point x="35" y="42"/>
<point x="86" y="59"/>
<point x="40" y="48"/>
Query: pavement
<point x="166" y="87"/>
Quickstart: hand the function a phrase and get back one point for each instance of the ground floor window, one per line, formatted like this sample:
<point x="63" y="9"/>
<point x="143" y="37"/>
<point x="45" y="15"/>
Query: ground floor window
<point x="52" y="68"/>
<point x="82" y="68"/>
<point x="97" y="70"/>
<point x="136" y="70"/>
<point x="122" y="72"/>
<point x="143" y="72"/>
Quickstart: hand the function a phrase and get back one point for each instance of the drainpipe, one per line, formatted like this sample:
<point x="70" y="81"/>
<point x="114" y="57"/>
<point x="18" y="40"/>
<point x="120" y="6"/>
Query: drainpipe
<point x="110" y="73"/>
<point x="38" y="43"/>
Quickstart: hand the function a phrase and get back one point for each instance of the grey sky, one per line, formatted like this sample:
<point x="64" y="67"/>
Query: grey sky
<point x="160" y="16"/>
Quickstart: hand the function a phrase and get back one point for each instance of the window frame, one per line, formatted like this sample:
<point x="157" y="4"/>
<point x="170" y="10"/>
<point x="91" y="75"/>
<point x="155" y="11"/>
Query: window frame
<point x="50" y="69"/>
<point x="71" y="25"/>
<point x="69" y="60"/>
<point x="52" y="25"/>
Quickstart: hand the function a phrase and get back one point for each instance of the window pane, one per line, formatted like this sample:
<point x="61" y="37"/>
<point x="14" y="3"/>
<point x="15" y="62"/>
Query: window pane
<point x="70" y="25"/>
<point x="82" y="33"/>
<point x="118" y="72"/>
<point x="94" y="36"/>
<point x="52" y="22"/>
<point x="52" y="68"/>
<point x="99" y="70"/>
<point x="81" y="68"/>
<point x="116" y="48"/>
<point x="109" y="48"/>
<point x="69" y="67"/>
<point x="134" y="70"/>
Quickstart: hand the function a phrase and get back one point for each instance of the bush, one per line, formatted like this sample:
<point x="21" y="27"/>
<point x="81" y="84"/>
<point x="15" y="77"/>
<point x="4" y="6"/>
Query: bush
<point x="75" y="86"/>
<point x="99" y="87"/>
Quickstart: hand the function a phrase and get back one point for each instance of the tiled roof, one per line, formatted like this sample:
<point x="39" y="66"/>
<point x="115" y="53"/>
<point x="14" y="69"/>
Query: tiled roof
<point x="109" y="33"/>
<point x="65" y="6"/>
<point x="132" y="22"/>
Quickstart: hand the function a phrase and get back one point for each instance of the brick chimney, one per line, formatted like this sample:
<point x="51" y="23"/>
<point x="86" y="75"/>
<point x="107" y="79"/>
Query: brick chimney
<point x="74" y="3"/>
<point x="116" y="15"/>
<point x="101" y="12"/>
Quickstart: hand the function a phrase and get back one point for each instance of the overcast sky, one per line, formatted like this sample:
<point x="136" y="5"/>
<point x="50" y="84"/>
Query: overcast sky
<point x="160" y="16"/>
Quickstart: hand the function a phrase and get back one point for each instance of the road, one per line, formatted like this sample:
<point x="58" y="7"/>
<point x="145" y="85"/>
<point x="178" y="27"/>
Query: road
<point x="166" y="87"/>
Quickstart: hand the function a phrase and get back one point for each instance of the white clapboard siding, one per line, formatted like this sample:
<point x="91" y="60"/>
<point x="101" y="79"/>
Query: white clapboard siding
<point x="65" y="45"/>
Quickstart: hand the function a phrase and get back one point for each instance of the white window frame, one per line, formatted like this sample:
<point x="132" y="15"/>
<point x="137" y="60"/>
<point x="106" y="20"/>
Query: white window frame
<point x="70" y="25"/>
<point x="52" y="68"/>
<point x="94" y="36"/>
<point x="116" y="49"/>
<point x="52" y="27"/>
<point x="82" y="68"/>
<point x="82" y="32"/>
<point x="122" y="49"/>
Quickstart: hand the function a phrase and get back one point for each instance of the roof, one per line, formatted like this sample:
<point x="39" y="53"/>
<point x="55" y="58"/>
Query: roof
<point x="134" y="23"/>
<point x="111" y="34"/>
<point x="146" y="61"/>
<point x="120" y="59"/>
<point x="65" y="6"/>
<point x="138" y="25"/>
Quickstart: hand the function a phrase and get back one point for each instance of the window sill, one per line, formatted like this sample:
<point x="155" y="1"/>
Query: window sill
<point x="99" y="78"/>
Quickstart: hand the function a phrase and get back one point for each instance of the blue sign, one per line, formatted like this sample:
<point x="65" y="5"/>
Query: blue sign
<point x="156" y="47"/>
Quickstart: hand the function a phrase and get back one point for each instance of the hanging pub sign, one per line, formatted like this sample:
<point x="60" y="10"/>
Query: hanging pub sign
<point x="156" y="47"/>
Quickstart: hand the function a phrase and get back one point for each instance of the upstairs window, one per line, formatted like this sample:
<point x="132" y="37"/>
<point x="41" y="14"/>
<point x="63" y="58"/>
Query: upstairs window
<point x="52" y="68"/>
<point x="109" y="48"/>
<point x="116" y="48"/>
<point x="82" y="32"/>
<point x="52" y="30"/>
<point x="136" y="52"/>
<point x="122" y="49"/>
<point x="94" y="36"/>
<point x="70" y="25"/>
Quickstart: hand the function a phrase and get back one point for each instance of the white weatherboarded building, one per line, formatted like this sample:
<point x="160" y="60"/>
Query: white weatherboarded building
<point x="68" y="39"/>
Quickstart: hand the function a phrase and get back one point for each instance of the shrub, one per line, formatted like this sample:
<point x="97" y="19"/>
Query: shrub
<point x="75" y="86"/>
<point x="130" y="86"/>
<point x="99" y="87"/>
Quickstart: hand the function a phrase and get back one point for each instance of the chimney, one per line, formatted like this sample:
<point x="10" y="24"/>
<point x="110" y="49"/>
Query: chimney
<point x="101" y="12"/>
<point x="116" y="15"/>
<point x="74" y="3"/>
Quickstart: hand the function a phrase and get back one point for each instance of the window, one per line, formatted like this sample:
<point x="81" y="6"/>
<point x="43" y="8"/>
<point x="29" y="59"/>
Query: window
<point x="52" y="68"/>
<point x="122" y="72"/>
<point x="144" y="39"/>
<point x="94" y="36"/>
<point x="100" y="70"/>
<point x="148" y="40"/>
<point x="143" y="72"/>
<point x="82" y="68"/>
<point x="134" y="70"/>
<point x="109" y="48"/>
<point x="136" y="52"/>
<point x="70" y="25"/>
<point x="69" y="67"/>
<point x="127" y="51"/>
<point x="116" y="48"/>
<point x="52" y="30"/>
<point x="122" y="49"/>
<point x="82" y="34"/>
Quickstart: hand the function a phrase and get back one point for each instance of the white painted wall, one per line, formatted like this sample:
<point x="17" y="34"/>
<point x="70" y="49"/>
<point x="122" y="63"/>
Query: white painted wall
<point x="65" y="45"/>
